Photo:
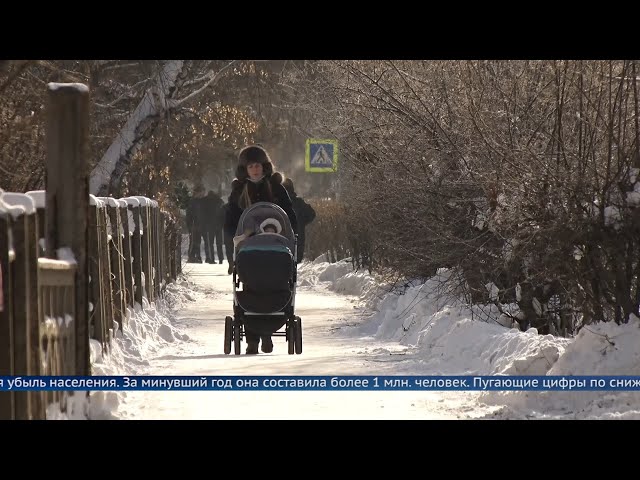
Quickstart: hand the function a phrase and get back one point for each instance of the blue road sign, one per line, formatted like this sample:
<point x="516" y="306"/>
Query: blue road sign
<point x="321" y="155"/>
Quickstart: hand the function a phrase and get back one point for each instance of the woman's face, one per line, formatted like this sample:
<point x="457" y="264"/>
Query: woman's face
<point x="254" y="170"/>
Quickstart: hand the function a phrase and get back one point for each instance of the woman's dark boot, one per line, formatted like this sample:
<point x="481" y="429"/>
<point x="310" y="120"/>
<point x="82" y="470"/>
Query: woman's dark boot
<point x="267" y="345"/>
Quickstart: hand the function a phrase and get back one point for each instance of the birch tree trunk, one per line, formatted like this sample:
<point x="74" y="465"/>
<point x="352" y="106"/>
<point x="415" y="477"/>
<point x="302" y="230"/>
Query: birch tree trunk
<point x="107" y="174"/>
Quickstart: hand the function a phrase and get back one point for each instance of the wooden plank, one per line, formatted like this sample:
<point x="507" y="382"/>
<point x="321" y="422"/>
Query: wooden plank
<point x="126" y="253"/>
<point x="105" y="271"/>
<point x="57" y="304"/>
<point x="20" y="274"/>
<point x="178" y="248"/>
<point x="67" y="197"/>
<point x="157" y="276"/>
<point x="146" y="251"/>
<point x="163" y="249"/>
<point x="37" y="407"/>
<point x="136" y="250"/>
<point x="117" y="278"/>
<point x="39" y="200"/>
<point x="6" y="317"/>
<point x="95" y="319"/>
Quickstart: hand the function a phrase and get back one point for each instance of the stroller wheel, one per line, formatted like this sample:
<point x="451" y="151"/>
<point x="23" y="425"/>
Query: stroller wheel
<point x="228" y="333"/>
<point x="298" y="336"/>
<point x="291" y="336"/>
<point x="236" y="337"/>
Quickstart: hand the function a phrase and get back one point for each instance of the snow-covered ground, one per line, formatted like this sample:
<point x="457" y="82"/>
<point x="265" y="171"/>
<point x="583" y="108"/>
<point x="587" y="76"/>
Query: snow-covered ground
<point x="352" y="327"/>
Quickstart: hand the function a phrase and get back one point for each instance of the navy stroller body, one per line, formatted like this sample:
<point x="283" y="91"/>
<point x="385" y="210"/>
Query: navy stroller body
<point x="264" y="280"/>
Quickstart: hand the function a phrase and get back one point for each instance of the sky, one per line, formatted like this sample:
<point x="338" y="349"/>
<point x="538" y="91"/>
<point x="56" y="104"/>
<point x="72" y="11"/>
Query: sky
<point x="353" y="326"/>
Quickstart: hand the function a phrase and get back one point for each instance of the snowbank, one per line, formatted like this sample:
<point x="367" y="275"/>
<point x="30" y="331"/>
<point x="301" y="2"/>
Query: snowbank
<point x="145" y="331"/>
<point x="448" y="338"/>
<point x="340" y="277"/>
<point x="598" y="349"/>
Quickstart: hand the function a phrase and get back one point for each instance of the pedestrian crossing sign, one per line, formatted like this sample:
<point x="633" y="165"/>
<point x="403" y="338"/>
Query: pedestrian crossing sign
<point x="321" y="155"/>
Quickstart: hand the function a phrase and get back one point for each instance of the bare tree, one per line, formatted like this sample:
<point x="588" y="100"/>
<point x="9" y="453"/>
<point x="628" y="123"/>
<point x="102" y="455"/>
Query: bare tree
<point x="159" y="101"/>
<point x="516" y="174"/>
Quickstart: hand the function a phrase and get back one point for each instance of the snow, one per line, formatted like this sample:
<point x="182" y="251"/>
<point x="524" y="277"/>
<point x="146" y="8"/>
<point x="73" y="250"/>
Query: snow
<point x="96" y="201"/>
<point x="58" y="321"/>
<point x="15" y="210"/>
<point x="355" y="326"/>
<point x="54" y="264"/>
<point x="66" y="254"/>
<point x="633" y="199"/>
<point x="19" y="200"/>
<point x="112" y="202"/>
<point x="145" y="332"/>
<point x="600" y="349"/>
<point x="612" y="217"/>
<point x="493" y="290"/>
<point x="144" y="201"/>
<point x="133" y="202"/>
<point x="39" y="197"/>
<point x="79" y="87"/>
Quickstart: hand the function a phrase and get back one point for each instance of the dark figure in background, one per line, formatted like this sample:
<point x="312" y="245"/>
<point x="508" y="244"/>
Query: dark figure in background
<point x="213" y="226"/>
<point x="256" y="182"/>
<point x="196" y="219"/>
<point x="305" y="214"/>
<point x="228" y="239"/>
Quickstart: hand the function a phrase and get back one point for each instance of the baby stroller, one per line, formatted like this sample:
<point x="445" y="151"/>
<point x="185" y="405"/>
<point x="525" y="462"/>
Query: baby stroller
<point x="264" y="264"/>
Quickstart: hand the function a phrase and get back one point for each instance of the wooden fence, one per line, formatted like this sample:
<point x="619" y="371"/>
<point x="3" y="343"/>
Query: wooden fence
<point x="73" y="265"/>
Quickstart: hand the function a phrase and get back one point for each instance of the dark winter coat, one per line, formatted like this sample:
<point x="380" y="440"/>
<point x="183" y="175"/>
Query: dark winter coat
<point x="305" y="214"/>
<point x="258" y="192"/>
<point x="212" y="207"/>
<point x="196" y="214"/>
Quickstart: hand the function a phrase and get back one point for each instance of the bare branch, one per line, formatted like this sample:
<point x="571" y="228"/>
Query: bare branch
<point x="214" y="77"/>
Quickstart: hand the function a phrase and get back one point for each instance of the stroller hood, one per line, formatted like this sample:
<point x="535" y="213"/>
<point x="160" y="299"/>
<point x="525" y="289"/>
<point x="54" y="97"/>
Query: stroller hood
<point x="256" y="214"/>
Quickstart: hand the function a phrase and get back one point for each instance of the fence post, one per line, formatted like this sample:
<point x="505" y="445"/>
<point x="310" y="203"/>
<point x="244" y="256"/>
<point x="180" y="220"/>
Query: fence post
<point x="39" y="199"/>
<point x="145" y="244"/>
<point x="126" y="252"/>
<point x="97" y="320"/>
<point x="25" y="302"/>
<point x="163" y="249"/>
<point x="117" y="265"/>
<point x="171" y="248"/>
<point x="177" y="250"/>
<point x="157" y="250"/>
<point x="6" y="315"/>
<point x="106" y="297"/>
<point x="136" y="250"/>
<point x="67" y="202"/>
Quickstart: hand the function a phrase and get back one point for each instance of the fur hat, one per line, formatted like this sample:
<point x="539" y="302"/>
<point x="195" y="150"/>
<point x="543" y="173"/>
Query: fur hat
<point x="253" y="154"/>
<point x="273" y="222"/>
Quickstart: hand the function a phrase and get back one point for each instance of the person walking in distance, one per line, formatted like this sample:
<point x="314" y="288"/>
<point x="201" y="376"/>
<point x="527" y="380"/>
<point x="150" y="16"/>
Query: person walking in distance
<point x="196" y="219"/>
<point x="228" y="240"/>
<point x="213" y="226"/>
<point x="305" y="214"/>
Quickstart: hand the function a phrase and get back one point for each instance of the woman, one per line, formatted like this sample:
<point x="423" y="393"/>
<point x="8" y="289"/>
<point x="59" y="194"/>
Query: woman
<point x="256" y="182"/>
